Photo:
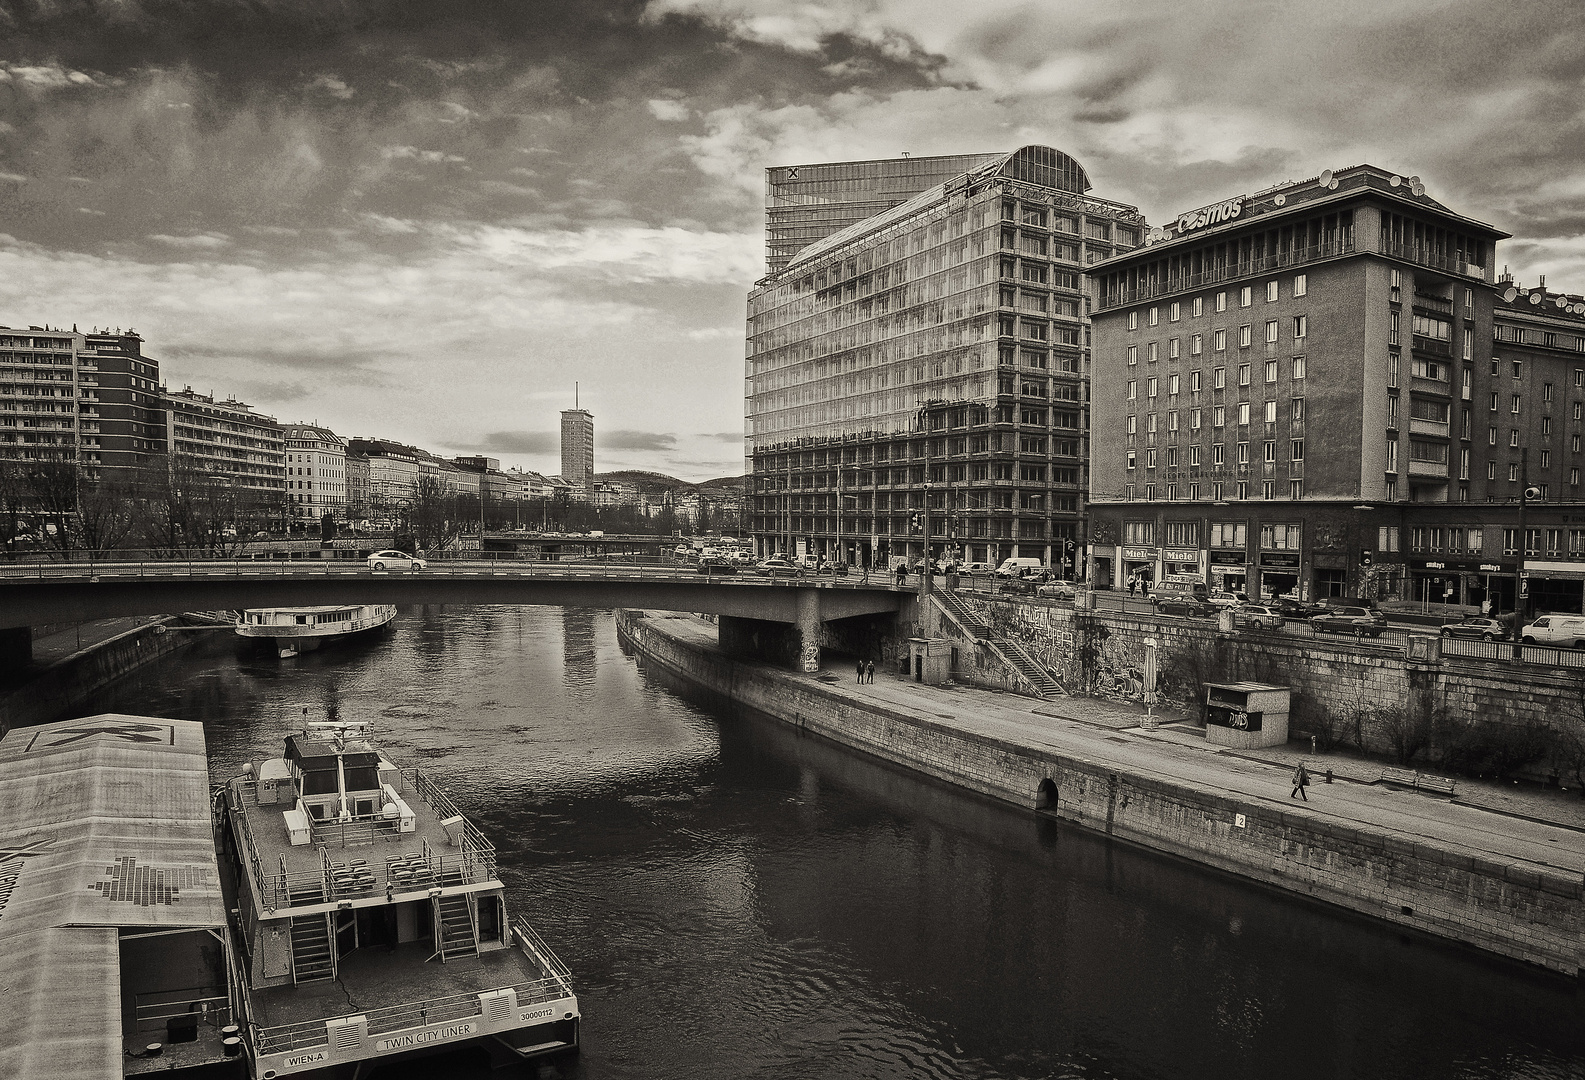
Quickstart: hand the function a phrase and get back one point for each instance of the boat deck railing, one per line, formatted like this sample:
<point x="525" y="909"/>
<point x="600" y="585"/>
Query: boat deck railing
<point x="340" y="876"/>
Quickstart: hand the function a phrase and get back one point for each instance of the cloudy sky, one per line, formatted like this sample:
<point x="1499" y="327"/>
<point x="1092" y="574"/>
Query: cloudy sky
<point x="425" y="219"/>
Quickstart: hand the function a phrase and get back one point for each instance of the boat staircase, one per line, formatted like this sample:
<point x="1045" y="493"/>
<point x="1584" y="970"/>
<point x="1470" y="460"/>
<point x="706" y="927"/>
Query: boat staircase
<point x="1013" y="656"/>
<point x="456" y="927"/>
<point x="313" y="957"/>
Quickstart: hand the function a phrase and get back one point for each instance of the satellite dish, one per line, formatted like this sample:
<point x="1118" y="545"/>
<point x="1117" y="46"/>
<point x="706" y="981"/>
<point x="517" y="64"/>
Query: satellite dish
<point x="1326" y="178"/>
<point x="1395" y="180"/>
<point x="1508" y="294"/>
<point x="1535" y="298"/>
<point x="1280" y="200"/>
<point x="1562" y="302"/>
<point x="1417" y="188"/>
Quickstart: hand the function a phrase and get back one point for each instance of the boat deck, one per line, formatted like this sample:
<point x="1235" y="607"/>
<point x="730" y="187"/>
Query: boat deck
<point x="365" y="856"/>
<point x="390" y="977"/>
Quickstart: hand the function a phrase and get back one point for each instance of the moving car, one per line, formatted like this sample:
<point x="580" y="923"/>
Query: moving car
<point x="1228" y="599"/>
<point x="1565" y="630"/>
<point x="1293" y="608"/>
<point x="396" y="560"/>
<point x="740" y="557"/>
<point x="1018" y="587"/>
<point x="1177" y="587"/>
<point x="975" y="568"/>
<point x="1058" y="590"/>
<point x="1268" y="616"/>
<point x="1348" y="620"/>
<point x="716" y="565"/>
<point x="1018" y="567"/>
<point x="775" y="566"/>
<point x="1184" y="604"/>
<point x="1476" y="627"/>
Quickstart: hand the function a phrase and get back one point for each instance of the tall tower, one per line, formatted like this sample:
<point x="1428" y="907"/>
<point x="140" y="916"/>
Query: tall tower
<point x="577" y="446"/>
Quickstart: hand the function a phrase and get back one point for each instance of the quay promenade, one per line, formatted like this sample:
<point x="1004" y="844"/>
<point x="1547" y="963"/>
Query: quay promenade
<point x="1494" y="866"/>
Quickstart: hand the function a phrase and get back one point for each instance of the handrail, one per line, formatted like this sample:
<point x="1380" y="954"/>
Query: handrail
<point x="1230" y="272"/>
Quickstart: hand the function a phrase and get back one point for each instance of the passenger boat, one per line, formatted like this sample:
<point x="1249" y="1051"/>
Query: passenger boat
<point x="371" y="922"/>
<point x="303" y="629"/>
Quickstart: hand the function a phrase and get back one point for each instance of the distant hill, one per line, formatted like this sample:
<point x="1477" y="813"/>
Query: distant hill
<point x="654" y="481"/>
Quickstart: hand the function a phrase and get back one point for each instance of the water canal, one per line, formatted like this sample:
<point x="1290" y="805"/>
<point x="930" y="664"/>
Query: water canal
<point x="738" y="901"/>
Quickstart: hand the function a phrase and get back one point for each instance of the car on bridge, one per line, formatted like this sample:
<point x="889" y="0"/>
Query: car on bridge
<point x="716" y="564"/>
<point x="776" y="566"/>
<point x="1185" y="604"/>
<point x="396" y="560"/>
<point x="1260" y="616"/>
<point x="1476" y="627"/>
<point x="1058" y="590"/>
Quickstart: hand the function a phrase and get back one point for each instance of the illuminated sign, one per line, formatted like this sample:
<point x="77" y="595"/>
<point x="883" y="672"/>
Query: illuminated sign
<point x="1210" y="215"/>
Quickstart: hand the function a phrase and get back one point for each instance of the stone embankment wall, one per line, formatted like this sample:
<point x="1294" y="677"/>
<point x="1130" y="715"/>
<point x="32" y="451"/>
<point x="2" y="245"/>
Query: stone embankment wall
<point x="1363" y="694"/>
<point x="64" y="686"/>
<point x="1531" y="913"/>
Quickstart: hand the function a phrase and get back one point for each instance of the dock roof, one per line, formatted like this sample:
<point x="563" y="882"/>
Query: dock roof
<point x="107" y="828"/>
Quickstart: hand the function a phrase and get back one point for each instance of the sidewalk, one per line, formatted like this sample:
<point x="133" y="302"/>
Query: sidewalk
<point x="1521" y="825"/>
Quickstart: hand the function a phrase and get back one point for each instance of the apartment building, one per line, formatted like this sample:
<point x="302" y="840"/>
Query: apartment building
<point x="225" y="440"/>
<point x="316" y="470"/>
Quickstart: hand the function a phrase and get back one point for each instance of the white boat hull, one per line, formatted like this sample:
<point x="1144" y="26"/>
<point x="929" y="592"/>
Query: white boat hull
<point x="300" y="630"/>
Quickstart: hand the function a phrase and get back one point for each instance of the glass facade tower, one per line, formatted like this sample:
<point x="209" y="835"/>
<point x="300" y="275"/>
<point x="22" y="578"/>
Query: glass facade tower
<point x="918" y="381"/>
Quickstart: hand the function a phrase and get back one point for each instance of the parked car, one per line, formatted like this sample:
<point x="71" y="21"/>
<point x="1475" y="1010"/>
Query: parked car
<point x="1058" y="590"/>
<point x="1292" y="607"/>
<point x="1567" y="631"/>
<point x="1267" y="616"/>
<point x="1017" y="567"/>
<point x="717" y="565"/>
<point x="1348" y="620"/>
<point x="1018" y="587"/>
<point x="1221" y="598"/>
<point x="975" y="568"/>
<point x="1180" y="604"/>
<point x="396" y="560"/>
<point x="1476" y="627"/>
<point x="1177" y="587"/>
<point x="775" y="566"/>
<point x="741" y="558"/>
<point x="835" y="569"/>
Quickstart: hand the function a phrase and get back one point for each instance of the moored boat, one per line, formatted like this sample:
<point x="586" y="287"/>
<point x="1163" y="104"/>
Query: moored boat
<point x="371" y="921"/>
<point x="303" y="629"/>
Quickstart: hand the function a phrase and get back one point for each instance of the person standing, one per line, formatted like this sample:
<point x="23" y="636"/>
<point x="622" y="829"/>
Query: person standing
<point x="1133" y="583"/>
<point x="1301" y="780"/>
<point x="861" y="672"/>
<point x="869" y="671"/>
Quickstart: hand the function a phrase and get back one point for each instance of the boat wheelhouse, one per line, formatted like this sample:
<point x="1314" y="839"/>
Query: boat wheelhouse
<point x="303" y="629"/>
<point x="372" y="921"/>
<point x="114" y="954"/>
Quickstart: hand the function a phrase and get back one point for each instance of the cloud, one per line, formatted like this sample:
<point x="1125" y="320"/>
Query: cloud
<point x="15" y="178"/>
<point x="199" y="241"/>
<point x="516" y="442"/>
<point x="332" y="85"/>
<point x="633" y="440"/>
<point x="663" y="109"/>
<point x="413" y="153"/>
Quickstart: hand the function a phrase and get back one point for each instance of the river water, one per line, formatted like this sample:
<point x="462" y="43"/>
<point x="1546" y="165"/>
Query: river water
<point x="736" y="900"/>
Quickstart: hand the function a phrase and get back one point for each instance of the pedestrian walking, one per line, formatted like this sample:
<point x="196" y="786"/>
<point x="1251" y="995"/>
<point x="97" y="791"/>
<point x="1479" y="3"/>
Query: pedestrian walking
<point x="1144" y="586"/>
<point x="869" y="671"/>
<point x="1133" y="583"/>
<point x="1301" y="780"/>
<point x="861" y="672"/>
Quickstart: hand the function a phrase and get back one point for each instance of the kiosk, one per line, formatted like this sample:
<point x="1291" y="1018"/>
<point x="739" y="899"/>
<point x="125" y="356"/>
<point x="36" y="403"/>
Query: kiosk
<point x="1246" y="714"/>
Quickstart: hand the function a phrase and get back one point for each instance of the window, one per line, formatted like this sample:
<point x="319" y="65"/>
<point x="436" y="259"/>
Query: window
<point x="1172" y="385"/>
<point x="1243" y="413"/>
<point x="1546" y="391"/>
<point x="1515" y="408"/>
<point x="1153" y="316"/>
<point x="1218" y="378"/>
<point x="1392" y="410"/>
<point x="1392" y="369"/>
<point x="1246" y="296"/>
<point x="1194" y="454"/>
<point x="1243" y="374"/>
<point x="1301" y="284"/>
<point x="1271" y="331"/>
<point x="1296" y="450"/>
<point x="1268" y="489"/>
<point x="1301" y="326"/>
<point x="1150" y="386"/>
<point x="1133" y="320"/>
<point x="1152" y="352"/>
<point x="1269" y="453"/>
<point x="1280" y="537"/>
<point x="1387" y="538"/>
<point x="1392" y="328"/>
<point x="1194" y="419"/>
<point x="1133" y="423"/>
<point x="1221" y="301"/>
<point x="1463" y="464"/>
<point x="1546" y="459"/>
<point x="1172" y="348"/>
<point x="1133" y="355"/>
<point x="1435" y="453"/>
<point x="1244" y="336"/>
<point x="1577" y="410"/>
<point x="1494" y="401"/>
<point x="1194" y="382"/>
<point x="1218" y="454"/>
<point x="1173" y="312"/>
<point x="1546" y="425"/>
<point x="1241" y="490"/>
<point x="1573" y="478"/>
<point x="1218" y="416"/>
<point x="1228" y="534"/>
<point x="1437" y="371"/>
<point x="1513" y="473"/>
<point x="1392" y="455"/>
<point x="1172" y="425"/>
<point x="1573" y="443"/>
<point x="1491" y="470"/>
<point x="1469" y="299"/>
<point x="1296" y="488"/>
<point x="1271" y="412"/>
<point x="1219" y="340"/>
<point x="1469" y="343"/>
<point x="1133" y="388"/>
<point x="1435" y="329"/>
<point x="1195" y="343"/>
<point x="1142" y="533"/>
<point x="1199" y="307"/>
<point x="1296" y="409"/>
<point x="1241" y="454"/>
<point x="1271" y="371"/>
<point x="1271" y="291"/>
<point x="1518" y="370"/>
<point x="1131" y="460"/>
<point x="1298" y="367"/>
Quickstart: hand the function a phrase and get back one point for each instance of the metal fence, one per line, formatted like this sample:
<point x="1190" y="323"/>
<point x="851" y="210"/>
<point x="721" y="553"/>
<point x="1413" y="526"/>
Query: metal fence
<point x="1502" y="652"/>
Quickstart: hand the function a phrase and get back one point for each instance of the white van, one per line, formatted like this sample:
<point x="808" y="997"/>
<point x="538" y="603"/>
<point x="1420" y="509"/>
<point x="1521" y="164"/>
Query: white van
<point x="1018" y="567"/>
<point x="1564" y="630"/>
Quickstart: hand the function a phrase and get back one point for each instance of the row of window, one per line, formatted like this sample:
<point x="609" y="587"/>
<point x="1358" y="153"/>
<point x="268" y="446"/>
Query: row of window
<point x="1301" y="330"/>
<point x="1243" y="412"/>
<point x="1246" y="298"/>
<point x="1222" y="534"/>
<point x="1218" y="454"/>
<point x="1270" y="371"/>
<point x="1218" y="491"/>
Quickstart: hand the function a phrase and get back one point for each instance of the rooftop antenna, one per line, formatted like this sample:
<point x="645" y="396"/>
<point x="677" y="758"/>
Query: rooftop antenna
<point x="905" y="153"/>
<point x="575" y="395"/>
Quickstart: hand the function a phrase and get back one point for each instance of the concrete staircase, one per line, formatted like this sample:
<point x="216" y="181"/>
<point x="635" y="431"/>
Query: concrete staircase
<point x="1013" y="656"/>
<point x="457" y="932"/>
<point x="312" y="958"/>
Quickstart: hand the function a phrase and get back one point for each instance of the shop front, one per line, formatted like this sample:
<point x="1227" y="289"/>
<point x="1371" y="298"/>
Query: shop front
<point x="1229" y="571"/>
<point x="1139" y="564"/>
<point x="1331" y="577"/>
<point x="1182" y="561"/>
<point x="1279" y="574"/>
<point x="1103" y="565"/>
<point x="1556" y="586"/>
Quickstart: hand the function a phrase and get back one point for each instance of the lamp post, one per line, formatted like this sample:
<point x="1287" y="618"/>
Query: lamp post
<point x="1522" y="591"/>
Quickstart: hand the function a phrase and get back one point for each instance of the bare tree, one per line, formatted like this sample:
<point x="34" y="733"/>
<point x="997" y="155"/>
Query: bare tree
<point x="430" y="516"/>
<point x="107" y="510"/>
<point x="52" y="488"/>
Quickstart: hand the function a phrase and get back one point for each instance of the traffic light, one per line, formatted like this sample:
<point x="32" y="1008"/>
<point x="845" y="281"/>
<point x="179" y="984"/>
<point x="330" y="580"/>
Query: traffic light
<point x="913" y="522"/>
<point x="1364" y="558"/>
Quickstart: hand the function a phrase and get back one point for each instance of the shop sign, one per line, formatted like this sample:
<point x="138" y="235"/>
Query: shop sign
<point x="1140" y="553"/>
<point x="1491" y="568"/>
<point x="1227" y="558"/>
<point x="1177" y="555"/>
<point x="1210" y="215"/>
<point x="1281" y="562"/>
<point x="1435" y="566"/>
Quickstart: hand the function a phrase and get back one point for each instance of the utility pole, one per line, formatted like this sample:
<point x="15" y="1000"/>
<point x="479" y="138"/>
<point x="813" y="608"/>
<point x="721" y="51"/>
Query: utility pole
<point x="1522" y="594"/>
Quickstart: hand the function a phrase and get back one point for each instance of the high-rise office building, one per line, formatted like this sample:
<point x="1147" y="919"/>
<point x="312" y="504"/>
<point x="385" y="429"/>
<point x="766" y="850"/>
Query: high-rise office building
<point x="577" y="449"/>
<point x="805" y="203"/>
<point x="917" y="381"/>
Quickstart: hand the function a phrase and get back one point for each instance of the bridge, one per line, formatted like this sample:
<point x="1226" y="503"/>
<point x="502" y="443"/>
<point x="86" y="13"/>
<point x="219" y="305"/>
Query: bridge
<point x="37" y="593"/>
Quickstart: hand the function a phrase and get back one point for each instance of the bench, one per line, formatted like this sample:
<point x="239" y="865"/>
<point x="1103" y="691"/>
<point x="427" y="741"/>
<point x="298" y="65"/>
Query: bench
<point x="1441" y="785"/>
<point x="1406" y="777"/>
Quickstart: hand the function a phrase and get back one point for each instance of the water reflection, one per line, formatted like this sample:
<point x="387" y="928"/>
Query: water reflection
<point x="736" y="899"/>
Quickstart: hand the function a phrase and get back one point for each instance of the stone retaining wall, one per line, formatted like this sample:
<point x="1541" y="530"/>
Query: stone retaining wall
<point x="1530" y="913"/>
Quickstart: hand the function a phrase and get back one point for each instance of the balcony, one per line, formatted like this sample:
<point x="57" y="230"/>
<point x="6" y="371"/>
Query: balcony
<point x="1432" y="346"/>
<point x="1414" y="253"/>
<point x="1427" y="427"/>
<point x="1430" y="470"/>
<point x="1248" y="268"/>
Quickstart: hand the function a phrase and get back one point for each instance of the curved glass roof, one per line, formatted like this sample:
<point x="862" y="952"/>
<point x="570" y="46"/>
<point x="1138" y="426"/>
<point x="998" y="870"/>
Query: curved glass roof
<point x="1031" y="164"/>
